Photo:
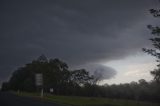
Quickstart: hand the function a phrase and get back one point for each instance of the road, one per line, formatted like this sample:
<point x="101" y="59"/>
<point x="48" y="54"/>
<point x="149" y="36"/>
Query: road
<point x="8" y="99"/>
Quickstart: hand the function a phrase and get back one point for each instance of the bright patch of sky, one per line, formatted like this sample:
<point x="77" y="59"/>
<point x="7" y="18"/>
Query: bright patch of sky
<point x="132" y="68"/>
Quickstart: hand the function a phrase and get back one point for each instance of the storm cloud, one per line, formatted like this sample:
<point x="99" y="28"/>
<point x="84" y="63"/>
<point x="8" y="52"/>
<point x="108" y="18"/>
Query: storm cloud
<point x="99" y="71"/>
<point x="78" y="32"/>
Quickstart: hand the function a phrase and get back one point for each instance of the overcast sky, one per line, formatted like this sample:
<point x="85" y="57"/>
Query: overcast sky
<point x="100" y="34"/>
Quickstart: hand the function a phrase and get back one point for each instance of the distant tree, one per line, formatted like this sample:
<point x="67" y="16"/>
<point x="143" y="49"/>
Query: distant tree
<point x="155" y="31"/>
<point x="81" y="76"/>
<point x="42" y="58"/>
<point x="56" y="75"/>
<point x="5" y="86"/>
<point x="143" y="82"/>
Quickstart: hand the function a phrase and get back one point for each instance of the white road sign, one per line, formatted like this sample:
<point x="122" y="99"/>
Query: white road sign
<point x="39" y="79"/>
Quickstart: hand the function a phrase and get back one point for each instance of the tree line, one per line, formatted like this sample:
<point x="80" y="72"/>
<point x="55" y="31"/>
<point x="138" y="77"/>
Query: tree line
<point x="56" y="75"/>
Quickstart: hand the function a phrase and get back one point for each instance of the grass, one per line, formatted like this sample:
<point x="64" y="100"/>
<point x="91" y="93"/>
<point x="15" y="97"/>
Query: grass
<point x="88" y="101"/>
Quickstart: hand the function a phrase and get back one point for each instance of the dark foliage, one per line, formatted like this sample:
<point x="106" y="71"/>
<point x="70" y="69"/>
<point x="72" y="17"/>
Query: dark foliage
<point x="155" y="31"/>
<point x="56" y="75"/>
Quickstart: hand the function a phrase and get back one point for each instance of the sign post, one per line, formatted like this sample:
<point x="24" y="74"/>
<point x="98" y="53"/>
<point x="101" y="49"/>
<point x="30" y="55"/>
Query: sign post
<point x="39" y="81"/>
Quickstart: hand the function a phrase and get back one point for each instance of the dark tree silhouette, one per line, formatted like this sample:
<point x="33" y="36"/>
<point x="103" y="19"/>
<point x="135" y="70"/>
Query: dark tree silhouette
<point x="56" y="75"/>
<point x="155" y="31"/>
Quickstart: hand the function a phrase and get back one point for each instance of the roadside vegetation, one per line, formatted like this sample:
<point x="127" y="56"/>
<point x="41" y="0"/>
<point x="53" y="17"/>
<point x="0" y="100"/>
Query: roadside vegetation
<point x="77" y="82"/>
<point x="87" y="101"/>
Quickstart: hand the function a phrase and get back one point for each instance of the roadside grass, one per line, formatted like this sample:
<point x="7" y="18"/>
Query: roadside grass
<point x="87" y="101"/>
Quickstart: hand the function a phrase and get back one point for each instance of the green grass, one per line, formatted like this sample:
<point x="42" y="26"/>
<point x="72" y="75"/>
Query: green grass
<point x="88" y="101"/>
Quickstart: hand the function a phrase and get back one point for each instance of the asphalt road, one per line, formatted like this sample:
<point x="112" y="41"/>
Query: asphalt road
<point x="8" y="99"/>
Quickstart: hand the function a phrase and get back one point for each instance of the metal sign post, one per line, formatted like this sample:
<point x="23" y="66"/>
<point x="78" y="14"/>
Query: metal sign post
<point x="42" y="92"/>
<point x="39" y="81"/>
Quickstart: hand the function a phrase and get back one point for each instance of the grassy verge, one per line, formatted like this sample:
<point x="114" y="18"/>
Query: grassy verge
<point x="88" y="101"/>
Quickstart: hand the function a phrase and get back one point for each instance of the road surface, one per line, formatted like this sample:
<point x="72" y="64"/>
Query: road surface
<point x="8" y="99"/>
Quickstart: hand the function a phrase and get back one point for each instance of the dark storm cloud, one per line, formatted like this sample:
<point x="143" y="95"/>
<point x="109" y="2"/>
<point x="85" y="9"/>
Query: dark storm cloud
<point x="76" y="31"/>
<point x="100" y="72"/>
<point x="103" y="72"/>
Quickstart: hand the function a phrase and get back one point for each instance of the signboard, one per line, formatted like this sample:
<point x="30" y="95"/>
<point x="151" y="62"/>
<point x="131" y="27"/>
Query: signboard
<point x="39" y="79"/>
<point x="51" y="90"/>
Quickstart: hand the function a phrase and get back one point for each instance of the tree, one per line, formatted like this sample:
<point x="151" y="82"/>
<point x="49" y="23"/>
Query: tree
<point x="81" y="77"/>
<point x="155" y="31"/>
<point x="5" y="86"/>
<point x="56" y="75"/>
